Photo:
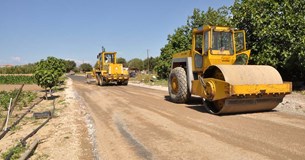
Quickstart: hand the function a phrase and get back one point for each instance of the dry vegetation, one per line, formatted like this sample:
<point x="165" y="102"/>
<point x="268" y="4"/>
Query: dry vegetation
<point x="60" y="138"/>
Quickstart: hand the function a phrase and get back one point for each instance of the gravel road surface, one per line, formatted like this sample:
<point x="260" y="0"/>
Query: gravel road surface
<point x="133" y="122"/>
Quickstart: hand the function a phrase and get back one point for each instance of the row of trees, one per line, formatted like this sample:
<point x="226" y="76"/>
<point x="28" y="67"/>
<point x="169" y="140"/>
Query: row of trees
<point x="139" y="64"/>
<point x="23" y="69"/>
<point x="31" y="67"/>
<point x="275" y="33"/>
<point x="70" y="65"/>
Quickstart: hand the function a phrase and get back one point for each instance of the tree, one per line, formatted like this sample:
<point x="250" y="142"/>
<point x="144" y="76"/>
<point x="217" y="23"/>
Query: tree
<point x="181" y="39"/>
<point x="163" y="66"/>
<point x="122" y="61"/>
<point x="85" y="67"/>
<point x="152" y="63"/>
<point x="135" y="63"/>
<point x="48" y="72"/>
<point x="69" y="65"/>
<point x="275" y="33"/>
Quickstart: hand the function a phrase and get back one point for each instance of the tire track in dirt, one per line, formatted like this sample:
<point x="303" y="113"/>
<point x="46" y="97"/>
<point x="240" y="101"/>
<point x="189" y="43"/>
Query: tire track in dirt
<point x="185" y="131"/>
<point x="140" y="149"/>
<point x="111" y="143"/>
<point x="239" y="139"/>
<point x="283" y="154"/>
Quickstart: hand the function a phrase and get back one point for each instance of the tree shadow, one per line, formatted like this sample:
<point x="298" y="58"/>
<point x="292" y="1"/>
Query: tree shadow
<point x="53" y="97"/>
<point x="49" y="97"/>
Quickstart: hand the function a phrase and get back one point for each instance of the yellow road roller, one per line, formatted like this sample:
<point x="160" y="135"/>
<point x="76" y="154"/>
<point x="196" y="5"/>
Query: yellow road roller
<point x="216" y="69"/>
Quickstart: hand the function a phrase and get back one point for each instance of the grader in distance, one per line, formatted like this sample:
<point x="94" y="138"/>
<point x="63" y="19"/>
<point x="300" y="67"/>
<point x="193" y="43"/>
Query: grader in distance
<point x="216" y="69"/>
<point x="108" y="70"/>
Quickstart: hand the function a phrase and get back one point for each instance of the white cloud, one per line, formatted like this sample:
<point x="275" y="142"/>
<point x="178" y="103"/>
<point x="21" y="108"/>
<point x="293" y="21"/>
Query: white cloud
<point x="16" y="59"/>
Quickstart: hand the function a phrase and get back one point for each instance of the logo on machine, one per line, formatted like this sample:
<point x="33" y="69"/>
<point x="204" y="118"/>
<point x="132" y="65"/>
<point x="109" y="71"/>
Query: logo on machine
<point x="225" y="59"/>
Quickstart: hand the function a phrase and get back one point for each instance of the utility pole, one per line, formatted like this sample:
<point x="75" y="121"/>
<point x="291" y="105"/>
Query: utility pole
<point x="147" y="61"/>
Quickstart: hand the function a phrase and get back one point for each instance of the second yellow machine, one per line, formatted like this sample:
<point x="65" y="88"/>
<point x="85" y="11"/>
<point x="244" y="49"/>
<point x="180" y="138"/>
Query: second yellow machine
<point x="109" y="71"/>
<point x="215" y="69"/>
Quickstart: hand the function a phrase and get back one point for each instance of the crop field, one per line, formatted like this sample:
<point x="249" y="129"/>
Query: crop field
<point x="7" y="81"/>
<point x="16" y="79"/>
<point x="26" y="97"/>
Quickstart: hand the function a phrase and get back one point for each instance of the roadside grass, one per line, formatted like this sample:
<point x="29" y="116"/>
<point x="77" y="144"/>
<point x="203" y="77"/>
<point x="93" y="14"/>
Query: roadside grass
<point x="161" y="82"/>
<point x="16" y="152"/>
<point x="15" y="128"/>
<point x="150" y="79"/>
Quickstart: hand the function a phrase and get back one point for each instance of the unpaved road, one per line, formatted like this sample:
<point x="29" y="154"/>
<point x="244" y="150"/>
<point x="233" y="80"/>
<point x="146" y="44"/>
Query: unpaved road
<point x="139" y="123"/>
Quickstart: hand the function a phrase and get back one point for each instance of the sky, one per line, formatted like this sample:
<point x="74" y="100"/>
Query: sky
<point x="31" y="30"/>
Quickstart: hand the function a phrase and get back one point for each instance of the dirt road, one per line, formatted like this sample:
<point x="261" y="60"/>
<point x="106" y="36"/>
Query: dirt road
<point x="139" y="123"/>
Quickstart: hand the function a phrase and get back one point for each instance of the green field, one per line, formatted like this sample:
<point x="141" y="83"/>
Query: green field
<point x="25" y="98"/>
<point x="16" y="79"/>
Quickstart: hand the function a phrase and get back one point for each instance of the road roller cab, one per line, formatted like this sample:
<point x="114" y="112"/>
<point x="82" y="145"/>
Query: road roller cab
<point x="216" y="69"/>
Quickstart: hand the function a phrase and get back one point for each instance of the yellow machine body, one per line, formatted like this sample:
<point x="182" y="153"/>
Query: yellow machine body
<point x="108" y="71"/>
<point x="216" y="69"/>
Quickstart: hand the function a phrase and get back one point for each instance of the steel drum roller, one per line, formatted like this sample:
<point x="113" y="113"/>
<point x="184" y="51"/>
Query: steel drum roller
<point x="244" y="75"/>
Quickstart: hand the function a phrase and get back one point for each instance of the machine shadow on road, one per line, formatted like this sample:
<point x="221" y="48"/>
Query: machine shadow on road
<point x="249" y="113"/>
<point x="194" y="103"/>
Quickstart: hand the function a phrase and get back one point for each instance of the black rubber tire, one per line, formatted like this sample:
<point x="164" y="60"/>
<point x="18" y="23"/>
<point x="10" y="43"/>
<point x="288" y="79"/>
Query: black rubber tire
<point x="103" y="82"/>
<point x="98" y="79"/>
<point x="212" y="107"/>
<point x="182" y="95"/>
<point x="125" y="83"/>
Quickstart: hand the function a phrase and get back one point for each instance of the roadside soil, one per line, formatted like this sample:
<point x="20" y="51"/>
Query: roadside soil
<point x="133" y="122"/>
<point x="293" y="103"/>
<point x="64" y="137"/>
<point x="27" y="87"/>
<point x="138" y="122"/>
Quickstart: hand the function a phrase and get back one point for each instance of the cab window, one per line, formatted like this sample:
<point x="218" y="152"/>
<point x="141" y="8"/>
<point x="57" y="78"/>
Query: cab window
<point x="206" y="42"/>
<point x="198" y="45"/>
<point x="239" y="41"/>
<point x="222" y="43"/>
<point x="109" y="58"/>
